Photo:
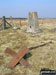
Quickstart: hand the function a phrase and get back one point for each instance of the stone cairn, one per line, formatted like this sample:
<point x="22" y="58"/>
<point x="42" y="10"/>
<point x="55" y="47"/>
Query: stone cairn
<point x="32" y="26"/>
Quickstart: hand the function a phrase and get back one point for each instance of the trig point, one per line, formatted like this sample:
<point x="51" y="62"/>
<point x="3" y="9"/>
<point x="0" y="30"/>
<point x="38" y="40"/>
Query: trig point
<point x="33" y="25"/>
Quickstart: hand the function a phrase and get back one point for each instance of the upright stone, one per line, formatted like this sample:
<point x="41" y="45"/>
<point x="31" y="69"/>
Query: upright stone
<point x="30" y="23"/>
<point x="11" y="20"/>
<point x="11" y="24"/>
<point x="3" y="23"/>
<point x="33" y="25"/>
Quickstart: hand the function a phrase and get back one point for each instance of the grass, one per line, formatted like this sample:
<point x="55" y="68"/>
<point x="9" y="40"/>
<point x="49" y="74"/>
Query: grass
<point x="42" y="57"/>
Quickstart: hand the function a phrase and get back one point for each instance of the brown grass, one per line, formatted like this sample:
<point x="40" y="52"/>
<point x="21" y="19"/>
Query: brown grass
<point x="42" y="57"/>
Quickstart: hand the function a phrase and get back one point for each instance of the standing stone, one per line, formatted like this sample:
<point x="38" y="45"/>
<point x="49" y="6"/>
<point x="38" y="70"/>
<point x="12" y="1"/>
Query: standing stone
<point x="11" y="24"/>
<point x="3" y="23"/>
<point x="33" y="25"/>
<point x="11" y="20"/>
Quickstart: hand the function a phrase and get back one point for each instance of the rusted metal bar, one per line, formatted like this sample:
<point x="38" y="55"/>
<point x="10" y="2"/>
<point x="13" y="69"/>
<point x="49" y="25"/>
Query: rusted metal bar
<point x="12" y="53"/>
<point x="9" y="51"/>
<point x="24" y="62"/>
<point x="39" y="45"/>
<point x="18" y="57"/>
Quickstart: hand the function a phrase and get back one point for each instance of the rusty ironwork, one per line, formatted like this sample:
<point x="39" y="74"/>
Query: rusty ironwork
<point x="18" y="57"/>
<point x="40" y="45"/>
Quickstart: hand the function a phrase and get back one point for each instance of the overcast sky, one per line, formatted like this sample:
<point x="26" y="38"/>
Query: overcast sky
<point x="21" y="8"/>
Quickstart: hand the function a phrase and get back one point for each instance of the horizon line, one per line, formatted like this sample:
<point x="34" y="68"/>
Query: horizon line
<point x="24" y="18"/>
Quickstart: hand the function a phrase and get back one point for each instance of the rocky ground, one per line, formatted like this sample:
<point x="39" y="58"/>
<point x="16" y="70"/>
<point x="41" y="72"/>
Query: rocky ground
<point x="42" y="57"/>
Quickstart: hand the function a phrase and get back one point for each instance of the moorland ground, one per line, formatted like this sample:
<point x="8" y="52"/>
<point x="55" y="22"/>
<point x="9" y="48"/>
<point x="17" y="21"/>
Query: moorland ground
<point x="42" y="57"/>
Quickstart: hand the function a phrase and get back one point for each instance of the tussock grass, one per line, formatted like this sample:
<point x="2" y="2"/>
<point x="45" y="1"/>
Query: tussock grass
<point x="42" y="57"/>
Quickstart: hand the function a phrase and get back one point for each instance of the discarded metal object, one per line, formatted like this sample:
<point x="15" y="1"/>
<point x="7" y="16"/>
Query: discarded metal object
<point x="46" y="71"/>
<point x="40" y="45"/>
<point x="18" y="57"/>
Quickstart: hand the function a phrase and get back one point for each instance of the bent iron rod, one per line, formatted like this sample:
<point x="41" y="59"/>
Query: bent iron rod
<point x="39" y="45"/>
